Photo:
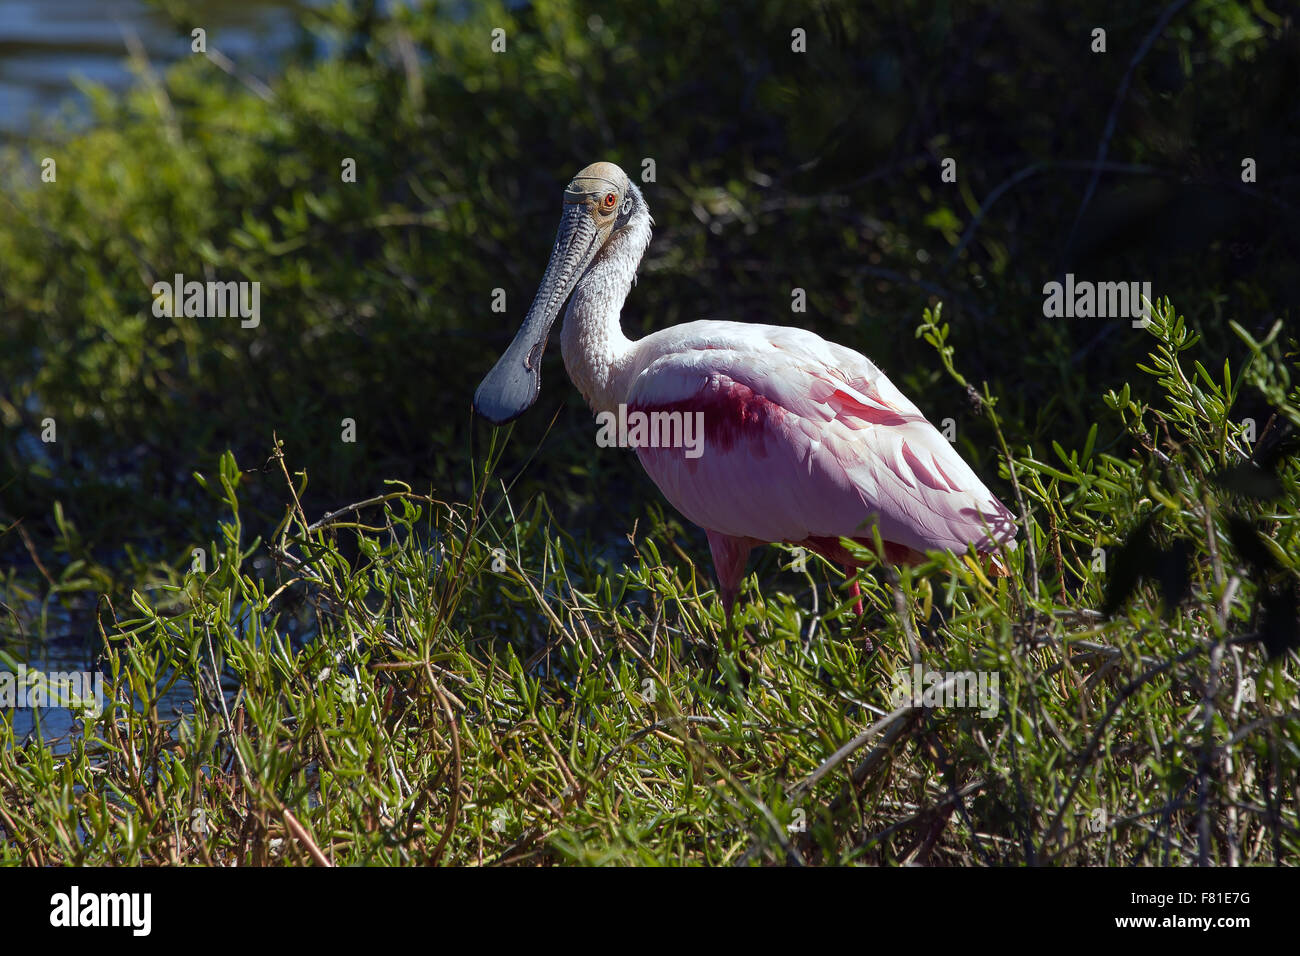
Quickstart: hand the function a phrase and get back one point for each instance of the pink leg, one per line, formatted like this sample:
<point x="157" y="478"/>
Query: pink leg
<point x="730" y="555"/>
<point x="856" y="591"/>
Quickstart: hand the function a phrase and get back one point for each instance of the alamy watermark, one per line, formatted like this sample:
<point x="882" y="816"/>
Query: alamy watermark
<point x="76" y="908"/>
<point x="923" y="688"/>
<point x="75" y="690"/>
<point x="1083" y="299"/>
<point x="658" y="429"/>
<point x="209" y="300"/>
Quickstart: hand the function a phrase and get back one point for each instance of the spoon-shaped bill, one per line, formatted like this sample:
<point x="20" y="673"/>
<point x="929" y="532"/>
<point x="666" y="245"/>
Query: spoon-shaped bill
<point x="515" y="381"/>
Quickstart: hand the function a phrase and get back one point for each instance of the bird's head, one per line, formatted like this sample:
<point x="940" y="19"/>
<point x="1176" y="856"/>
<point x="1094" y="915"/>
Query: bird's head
<point x="599" y="202"/>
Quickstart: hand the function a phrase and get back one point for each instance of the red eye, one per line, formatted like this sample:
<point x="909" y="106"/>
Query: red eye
<point x="610" y="199"/>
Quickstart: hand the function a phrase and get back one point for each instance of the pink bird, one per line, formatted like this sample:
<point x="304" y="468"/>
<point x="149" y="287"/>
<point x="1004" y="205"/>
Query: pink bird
<point x="804" y="441"/>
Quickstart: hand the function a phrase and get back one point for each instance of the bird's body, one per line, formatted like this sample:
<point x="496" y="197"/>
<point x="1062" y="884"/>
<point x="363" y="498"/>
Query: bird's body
<point x="805" y="441"/>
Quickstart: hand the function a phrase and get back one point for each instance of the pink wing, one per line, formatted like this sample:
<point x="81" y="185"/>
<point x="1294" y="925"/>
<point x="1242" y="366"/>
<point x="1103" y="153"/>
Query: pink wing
<point x="805" y="439"/>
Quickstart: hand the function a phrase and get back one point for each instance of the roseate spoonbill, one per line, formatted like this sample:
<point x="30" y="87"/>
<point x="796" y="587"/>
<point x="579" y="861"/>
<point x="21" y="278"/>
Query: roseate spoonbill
<point x="805" y="441"/>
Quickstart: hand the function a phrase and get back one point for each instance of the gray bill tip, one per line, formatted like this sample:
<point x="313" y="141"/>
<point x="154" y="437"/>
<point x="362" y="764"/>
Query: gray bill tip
<point x="506" y="393"/>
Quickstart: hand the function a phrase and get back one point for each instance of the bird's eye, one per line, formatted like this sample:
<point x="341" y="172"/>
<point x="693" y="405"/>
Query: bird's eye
<point x="610" y="200"/>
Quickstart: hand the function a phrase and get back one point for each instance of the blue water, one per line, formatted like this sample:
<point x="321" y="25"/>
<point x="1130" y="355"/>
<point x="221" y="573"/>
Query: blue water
<point x="46" y="46"/>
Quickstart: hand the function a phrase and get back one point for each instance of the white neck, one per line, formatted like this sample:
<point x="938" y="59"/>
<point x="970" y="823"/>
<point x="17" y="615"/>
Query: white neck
<point x="597" y="355"/>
